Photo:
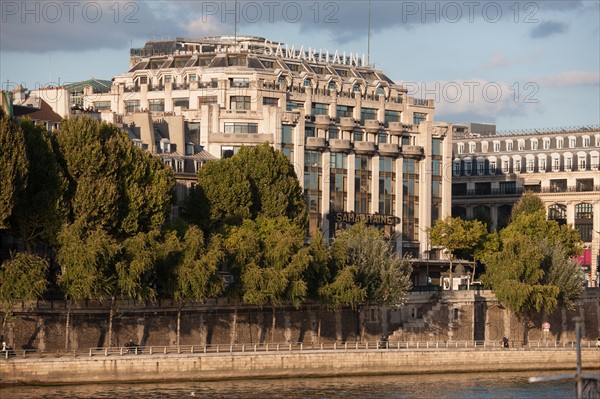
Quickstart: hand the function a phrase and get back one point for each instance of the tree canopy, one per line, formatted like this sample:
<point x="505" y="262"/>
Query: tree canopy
<point x="257" y="181"/>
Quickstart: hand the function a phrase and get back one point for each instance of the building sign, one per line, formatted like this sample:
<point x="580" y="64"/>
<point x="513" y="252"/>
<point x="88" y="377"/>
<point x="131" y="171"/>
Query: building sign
<point x="312" y="55"/>
<point x="375" y="219"/>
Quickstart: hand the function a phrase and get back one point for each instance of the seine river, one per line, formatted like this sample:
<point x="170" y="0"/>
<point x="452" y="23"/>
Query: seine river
<point x="454" y="386"/>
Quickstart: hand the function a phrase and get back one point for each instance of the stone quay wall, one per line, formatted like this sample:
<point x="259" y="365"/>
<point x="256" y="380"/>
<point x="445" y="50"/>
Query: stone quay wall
<point x="434" y="317"/>
<point x="199" y="367"/>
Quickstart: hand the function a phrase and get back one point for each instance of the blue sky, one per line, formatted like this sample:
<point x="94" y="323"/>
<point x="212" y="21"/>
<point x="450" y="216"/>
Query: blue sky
<point x="519" y="64"/>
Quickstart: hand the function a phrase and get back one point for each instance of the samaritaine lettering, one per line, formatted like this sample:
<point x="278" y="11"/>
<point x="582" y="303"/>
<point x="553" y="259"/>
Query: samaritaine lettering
<point x="290" y="52"/>
<point x="376" y="219"/>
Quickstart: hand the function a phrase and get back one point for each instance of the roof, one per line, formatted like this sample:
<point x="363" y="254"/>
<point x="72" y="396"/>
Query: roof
<point x="43" y="113"/>
<point x="99" y="85"/>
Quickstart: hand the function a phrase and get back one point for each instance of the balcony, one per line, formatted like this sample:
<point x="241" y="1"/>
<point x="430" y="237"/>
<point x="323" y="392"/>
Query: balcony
<point x="570" y="189"/>
<point x="340" y="145"/>
<point x="322" y="121"/>
<point x="372" y="125"/>
<point x="413" y="151"/>
<point x="347" y="123"/>
<point x="397" y="128"/>
<point x="389" y="149"/>
<point x="316" y="143"/>
<point x="364" y="147"/>
<point x="488" y="192"/>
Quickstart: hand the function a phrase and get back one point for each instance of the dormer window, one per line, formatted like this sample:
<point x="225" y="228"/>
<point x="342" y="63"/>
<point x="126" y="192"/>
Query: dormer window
<point x="461" y="148"/>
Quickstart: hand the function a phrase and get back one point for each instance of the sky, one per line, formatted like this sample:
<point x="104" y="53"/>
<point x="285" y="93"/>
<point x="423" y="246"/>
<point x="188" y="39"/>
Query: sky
<point x="517" y="64"/>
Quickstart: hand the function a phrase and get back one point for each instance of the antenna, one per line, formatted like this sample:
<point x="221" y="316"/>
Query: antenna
<point x="235" y="23"/>
<point x="369" y="37"/>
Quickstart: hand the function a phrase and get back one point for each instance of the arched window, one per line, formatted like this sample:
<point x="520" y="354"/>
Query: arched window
<point x="558" y="212"/>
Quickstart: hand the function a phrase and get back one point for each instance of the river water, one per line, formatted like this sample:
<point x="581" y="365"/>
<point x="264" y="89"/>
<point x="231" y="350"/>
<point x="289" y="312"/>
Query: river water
<point x="453" y="386"/>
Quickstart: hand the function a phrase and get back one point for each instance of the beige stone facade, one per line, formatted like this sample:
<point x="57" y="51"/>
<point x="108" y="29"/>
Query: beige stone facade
<point x="491" y="170"/>
<point x="361" y="147"/>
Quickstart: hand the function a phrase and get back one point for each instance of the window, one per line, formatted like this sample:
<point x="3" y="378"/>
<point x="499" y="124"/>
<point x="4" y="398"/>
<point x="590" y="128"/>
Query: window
<point x="472" y="147"/>
<point x="132" y="106"/>
<point x="542" y="164"/>
<point x="392" y="116"/>
<point x="461" y="148"/>
<point x="320" y="109"/>
<point x="480" y="167"/>
<point x="229" y="151"/>
<point x="468" y="166"/>
<point x="521" y="145"/>
<point x="309" y="132"/>
<point x="556" y="164"/>
<point x="586" y="141"/>
<point x="293" y="67"/>
<point x="236" y="127"/>
<point x="207" y="100"/>
<point x="192" y="77"/>
<point x="333" y="132"/>
<point x="584" y="216"/>
<point x="381" y="138"/>
<point x="168" y="79"/>
<point x="568" y="163"/>
<point x="419" y="117"/>
<point x="240" y="102"/>
<point x="156" y="105"/>
<point x="509" y="145"/>
<point x="496" y="146"/>
<point x="558" y="212"/>
<point x="508" y="187"/>
<point x="534" y="144"/>
<point x="530" y="165"/>
<point x="572" y="142"/>
<point x="181" y="102"/>
<point x="100" y="105"/>
<point x="594" y="161"/>
<point x="558" y="185"/>
<point x="236" y="61"/>
<point x="505" y="166"/>
<point x="517" y="166"/>
<point x="581" y="164"/>
<point x="368" y="114"/>
<point x="344" y="111"/>
<point x="287" y="134"/>
<point x="546" y="143"/>
<point x="559" y="142"/>
<point x="358" y="135"/>
<point x="270" y="101"/>
<point x="584" y="185"/>
<point x="493" y="167"/>
<point x="456" y="169"/>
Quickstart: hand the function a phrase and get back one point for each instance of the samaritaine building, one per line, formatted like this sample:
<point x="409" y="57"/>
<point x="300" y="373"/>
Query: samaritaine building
<point x="362" y="148"/>
<point x="491" y="170"/>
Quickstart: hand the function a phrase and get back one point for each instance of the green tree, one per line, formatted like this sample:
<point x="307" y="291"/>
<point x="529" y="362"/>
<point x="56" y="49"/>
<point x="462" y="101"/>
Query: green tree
<point x="22" y="277"/>
<point x="455" y="234"/>
<point x="257" y="181"/>
<point x="267" y="261"/>
<point x="40" y="209"/>
<point x="114" y="185"/>
<point x="383" y="274"/>
<point x="528" y="203"/>
<point x="14" y="166"/>
<point x="86" y="258"/>
<point x="193" y="267"/>
<point x="532" y="270"/>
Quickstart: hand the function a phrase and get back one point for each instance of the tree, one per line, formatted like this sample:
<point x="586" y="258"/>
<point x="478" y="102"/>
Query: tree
<point x="532" y="270"/>
<point x="257" y="181"/>
<point x="192" y="266"/>
<point x="114" y="185"/>
<point x="455" y="234"/>
<point x="86" y="258"/>
<point x="22" y="277"/>
<point x="383" y="275"/>
<point x="39" y="211"/>
<point x="267" y="261"/>
<point x="528" y="203"/>
<point x="13" y="166"/>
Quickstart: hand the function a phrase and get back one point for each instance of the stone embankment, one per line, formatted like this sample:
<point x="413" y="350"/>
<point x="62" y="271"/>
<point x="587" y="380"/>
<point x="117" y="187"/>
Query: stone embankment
<point x="287" y="364"/>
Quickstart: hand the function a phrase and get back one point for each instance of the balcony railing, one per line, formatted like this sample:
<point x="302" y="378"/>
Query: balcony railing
<point x="483" y="192"/>
<point x="570" y="189"/>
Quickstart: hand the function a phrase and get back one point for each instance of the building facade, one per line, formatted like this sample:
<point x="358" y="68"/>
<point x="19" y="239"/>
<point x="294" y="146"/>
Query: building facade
<point x="491" y="170"/>
<point x="361" y="147"/>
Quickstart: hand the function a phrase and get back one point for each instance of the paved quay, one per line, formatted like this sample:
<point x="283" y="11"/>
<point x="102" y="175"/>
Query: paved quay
<point x="282" y="361"/>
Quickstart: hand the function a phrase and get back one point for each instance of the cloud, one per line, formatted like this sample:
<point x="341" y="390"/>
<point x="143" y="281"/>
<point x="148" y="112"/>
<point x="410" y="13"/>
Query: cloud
<point x="89" y="25"/>
<point x="569" y="79"/>
<point x="548" y="28"/>
<point x="501" y="60"/>
<point x="478" y="99"/>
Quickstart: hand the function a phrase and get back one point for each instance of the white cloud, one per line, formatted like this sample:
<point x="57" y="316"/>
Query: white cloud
<point x="570" y="79"/>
